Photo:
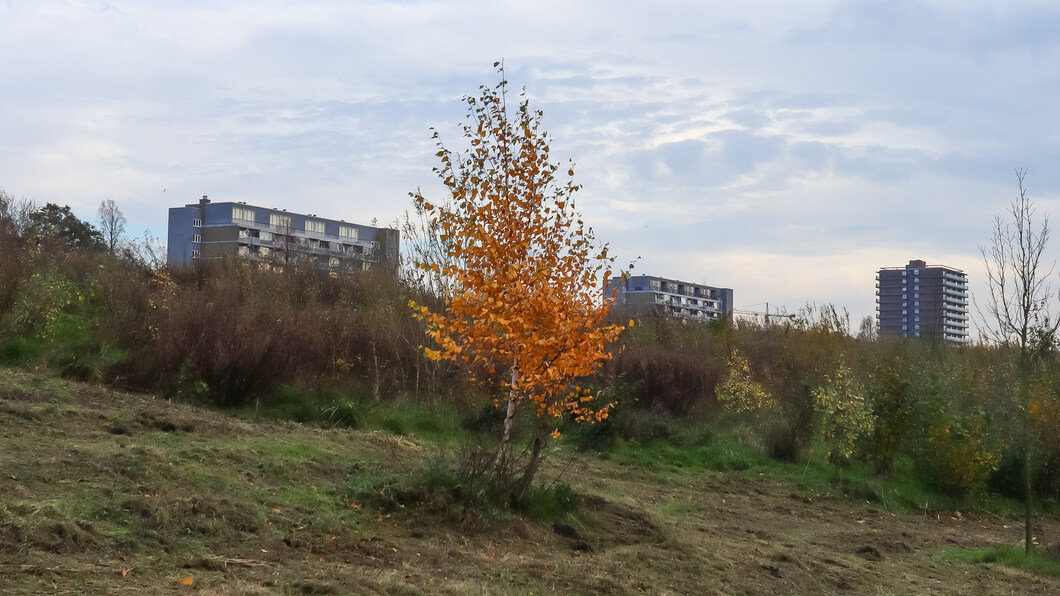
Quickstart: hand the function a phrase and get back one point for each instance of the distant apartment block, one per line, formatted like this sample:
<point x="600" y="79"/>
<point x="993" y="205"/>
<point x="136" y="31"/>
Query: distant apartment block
<point x="921" y="300"/>
<point x="207" y="230"/>
<point x="672" y="297"/>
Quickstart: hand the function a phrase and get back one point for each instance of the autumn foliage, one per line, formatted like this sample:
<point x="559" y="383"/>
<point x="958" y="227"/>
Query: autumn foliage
<point x="527" y="271"/>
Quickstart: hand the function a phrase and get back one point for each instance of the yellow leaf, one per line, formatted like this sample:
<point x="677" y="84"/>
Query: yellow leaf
<point x="186" y="581"/>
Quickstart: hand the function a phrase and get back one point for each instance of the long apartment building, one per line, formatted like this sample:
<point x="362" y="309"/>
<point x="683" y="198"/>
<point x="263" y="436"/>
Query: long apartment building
<point x="208" y="230"/>
<point x="921" y="300"/>
<point x="682" y="299"/>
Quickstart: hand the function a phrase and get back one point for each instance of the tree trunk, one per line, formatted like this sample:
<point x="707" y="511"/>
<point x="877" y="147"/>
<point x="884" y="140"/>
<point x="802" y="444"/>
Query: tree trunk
<point x="375" y="362"/>
<point x="532" y="465"/>
<point x="509" y="417"/>
<point x="1028" y="504"/>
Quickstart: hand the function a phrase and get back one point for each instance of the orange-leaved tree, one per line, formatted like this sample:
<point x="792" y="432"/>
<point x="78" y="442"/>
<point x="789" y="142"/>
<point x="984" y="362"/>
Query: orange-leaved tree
<point x="526" y="275"/>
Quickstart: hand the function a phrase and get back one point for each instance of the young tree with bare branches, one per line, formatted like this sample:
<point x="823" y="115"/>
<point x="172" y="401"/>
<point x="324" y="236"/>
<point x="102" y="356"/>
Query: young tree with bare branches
<point x="111" y="224"/>
<point x="1016" y="315"/>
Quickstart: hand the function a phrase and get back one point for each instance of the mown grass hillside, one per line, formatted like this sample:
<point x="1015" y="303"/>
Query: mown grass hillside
<point x="107" y="492"/>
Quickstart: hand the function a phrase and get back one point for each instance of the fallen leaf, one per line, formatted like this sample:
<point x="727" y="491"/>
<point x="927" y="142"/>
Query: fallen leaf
<point x="124" y="572"/>
<point x="186" y="581"/>
<point x="321" y="559"/>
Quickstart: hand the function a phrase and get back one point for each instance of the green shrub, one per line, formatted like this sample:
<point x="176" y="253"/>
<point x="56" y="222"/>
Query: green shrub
<point x="22" y="351"/>
<point x="547" y="503"/>
<point x="963" y="455"/>
<point x="842" y="413"/>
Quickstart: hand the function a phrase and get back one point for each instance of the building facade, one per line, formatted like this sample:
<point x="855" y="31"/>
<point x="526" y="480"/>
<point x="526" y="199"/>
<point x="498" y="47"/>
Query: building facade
<point x="921" y="300"/>
<point x="208" y="230"/>
<point x="675" y="298"/>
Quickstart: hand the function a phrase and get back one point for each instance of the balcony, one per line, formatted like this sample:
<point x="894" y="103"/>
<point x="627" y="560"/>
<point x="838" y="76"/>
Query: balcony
<point x="366" y="253"/>
<point x="290" y="231"/>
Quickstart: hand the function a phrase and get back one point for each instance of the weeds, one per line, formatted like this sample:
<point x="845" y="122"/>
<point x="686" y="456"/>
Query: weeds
<point x="1044" y="563"/>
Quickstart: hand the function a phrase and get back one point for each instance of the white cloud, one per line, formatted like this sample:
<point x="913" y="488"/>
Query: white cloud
<point x="815" y="141"/>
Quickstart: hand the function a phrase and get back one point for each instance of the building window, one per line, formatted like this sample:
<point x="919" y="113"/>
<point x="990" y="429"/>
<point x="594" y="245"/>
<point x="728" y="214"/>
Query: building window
<point x="313" y="226"/>
<point x="194" y="254"/>
<point x="905" y="312"/>
<point x="242" y="214"/>
<point x="350" y="233"/>
<point x="280" y="221"/>
<point x="904" y="273"/>
<point x="196" y="223"/>
<point x="196" y="239"/>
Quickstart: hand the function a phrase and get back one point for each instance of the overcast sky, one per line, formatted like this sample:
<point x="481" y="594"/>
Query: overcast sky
<point x="784" y="149"/>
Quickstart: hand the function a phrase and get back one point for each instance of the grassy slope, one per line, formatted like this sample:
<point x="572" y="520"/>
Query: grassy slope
<point x="94" y="483"/>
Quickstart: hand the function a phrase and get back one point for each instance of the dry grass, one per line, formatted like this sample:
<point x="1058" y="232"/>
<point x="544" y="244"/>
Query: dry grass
<point x="106" y="492"/>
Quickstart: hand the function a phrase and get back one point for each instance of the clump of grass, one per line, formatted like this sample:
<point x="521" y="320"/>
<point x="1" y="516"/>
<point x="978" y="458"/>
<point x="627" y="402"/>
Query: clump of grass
<point x="547" y="503"/>
<point x="1037" y="562"/>
<point x="21" y="351"/>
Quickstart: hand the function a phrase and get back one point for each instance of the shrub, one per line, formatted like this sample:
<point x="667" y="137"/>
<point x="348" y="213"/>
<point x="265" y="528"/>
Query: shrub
<point x="842" y="413"/>
<point x="963" y="455"/>
<point x="666" y="379"/>
<point x="892" y="391"/>
<point x="739" y="393"/>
